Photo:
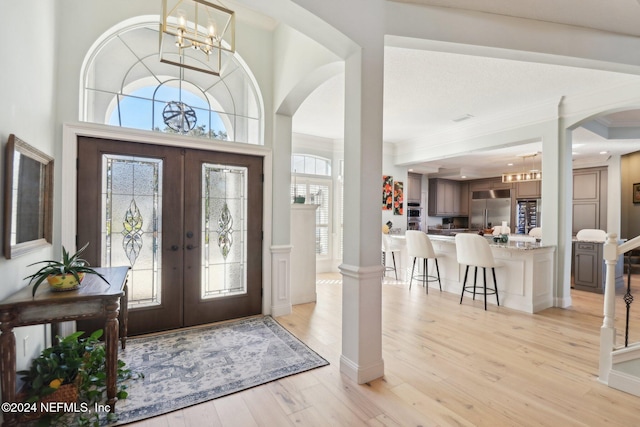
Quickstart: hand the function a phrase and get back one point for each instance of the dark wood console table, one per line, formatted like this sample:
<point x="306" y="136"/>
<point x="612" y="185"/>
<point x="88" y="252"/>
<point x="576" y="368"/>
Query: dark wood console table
<point x="94" y="299"/>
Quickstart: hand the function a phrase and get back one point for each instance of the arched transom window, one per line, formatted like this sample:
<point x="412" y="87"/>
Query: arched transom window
<point x="125" y="84"/>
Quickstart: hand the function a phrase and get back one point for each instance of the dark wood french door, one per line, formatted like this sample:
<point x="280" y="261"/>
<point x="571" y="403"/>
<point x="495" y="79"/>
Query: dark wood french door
<point x="187" y="222"/>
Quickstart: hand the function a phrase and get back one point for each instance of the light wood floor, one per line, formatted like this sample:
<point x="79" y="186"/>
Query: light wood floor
<point x="446" y="364"/>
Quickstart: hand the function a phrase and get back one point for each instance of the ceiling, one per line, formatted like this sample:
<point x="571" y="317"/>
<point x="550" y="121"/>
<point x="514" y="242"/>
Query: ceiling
<point x="425" y="91"/>
<point x="616" y="16"/>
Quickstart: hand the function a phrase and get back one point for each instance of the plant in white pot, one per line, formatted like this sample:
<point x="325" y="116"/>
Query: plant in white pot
<point x="64" y="275"/>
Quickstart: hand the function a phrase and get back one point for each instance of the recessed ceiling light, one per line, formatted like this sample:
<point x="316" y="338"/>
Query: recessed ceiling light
<point x="509" y="164"/>
<point x="410" y="170"/>
<point x="574" y="153"/>
<point x="603" y="152"/>
<point x="463" y="176"/>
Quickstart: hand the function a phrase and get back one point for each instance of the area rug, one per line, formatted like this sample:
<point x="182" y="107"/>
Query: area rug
<point x="193" y="366"/>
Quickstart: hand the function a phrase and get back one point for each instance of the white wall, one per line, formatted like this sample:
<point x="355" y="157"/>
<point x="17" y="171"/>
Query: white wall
<point x="27" y="85"/>
<point x="399" y="173"/>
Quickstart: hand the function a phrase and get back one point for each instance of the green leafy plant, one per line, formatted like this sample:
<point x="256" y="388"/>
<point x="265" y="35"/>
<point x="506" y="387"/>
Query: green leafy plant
<point x="57" y="365"/>
<point x="70" y="264"/>
<point x="79" y="361"/>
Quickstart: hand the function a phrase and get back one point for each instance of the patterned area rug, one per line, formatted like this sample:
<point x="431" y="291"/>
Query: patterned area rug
<point x="189" y="367"/>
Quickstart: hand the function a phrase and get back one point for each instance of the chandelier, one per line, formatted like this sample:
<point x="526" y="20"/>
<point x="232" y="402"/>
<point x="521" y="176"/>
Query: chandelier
<point x="193" y="34"/>
<point x="530" y="175"/>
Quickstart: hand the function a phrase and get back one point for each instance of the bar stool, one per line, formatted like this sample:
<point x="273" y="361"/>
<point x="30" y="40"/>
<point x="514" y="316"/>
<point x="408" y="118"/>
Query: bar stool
<point x="474" y="250"/>
<point x="536" y="232"/>
<point x="388" y="245"/>
<point x="592" y="234"/>
<point x="419" y="246"/>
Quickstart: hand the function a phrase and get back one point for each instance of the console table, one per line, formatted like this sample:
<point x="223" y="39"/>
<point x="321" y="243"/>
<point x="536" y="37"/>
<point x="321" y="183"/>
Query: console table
<point x="93" y="299"/>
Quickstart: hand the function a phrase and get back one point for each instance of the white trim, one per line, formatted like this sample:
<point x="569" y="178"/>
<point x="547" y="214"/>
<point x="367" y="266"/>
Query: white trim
<point x="562" y="302"/>
<point x="70" y="134"/>
<point x="359" y="374"/>
<point x="624" y="382"/>
<point x="281" y="269"/>
<point x="626" y="354"/>
<point x="357" y="272"/>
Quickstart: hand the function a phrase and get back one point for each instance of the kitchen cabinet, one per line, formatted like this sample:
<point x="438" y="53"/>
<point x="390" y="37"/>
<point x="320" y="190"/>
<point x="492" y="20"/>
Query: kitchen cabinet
<point x="489" y="184"/>
<point x="414" y="187"/>
<point x="479" y="185"/>
<point x="589" y="271"/>
<point x="587" y="274"/>
<point x="464" y="198"/>
<point x="498" y="184"/>
<point x="528" y="190"/>
<point x="589" y="208"/>
<point x="445" y="198"/>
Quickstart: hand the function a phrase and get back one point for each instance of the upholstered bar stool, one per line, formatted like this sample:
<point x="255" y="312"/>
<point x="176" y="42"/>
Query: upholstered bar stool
<point x="473" y="250"/>
<point x="536" y="232"/>
<point x="389" y="246"/>
<point x="592" y="234"/>
<point x="419" y="246"/>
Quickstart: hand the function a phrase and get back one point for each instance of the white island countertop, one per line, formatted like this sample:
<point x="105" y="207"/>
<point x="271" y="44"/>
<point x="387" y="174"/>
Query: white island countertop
<point x="511" y="244"/>
<point x="525" y="278"/>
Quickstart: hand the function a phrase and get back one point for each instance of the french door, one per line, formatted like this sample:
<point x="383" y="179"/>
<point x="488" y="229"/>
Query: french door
<point x="187" y="222"/>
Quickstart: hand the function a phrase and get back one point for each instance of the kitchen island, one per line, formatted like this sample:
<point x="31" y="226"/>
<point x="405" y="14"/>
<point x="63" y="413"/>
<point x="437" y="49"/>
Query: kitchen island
<point x="525" y="279"/>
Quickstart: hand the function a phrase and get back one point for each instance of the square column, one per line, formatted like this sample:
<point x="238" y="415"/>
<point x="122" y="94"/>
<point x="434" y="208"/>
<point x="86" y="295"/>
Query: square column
<point x="361" y="358"/>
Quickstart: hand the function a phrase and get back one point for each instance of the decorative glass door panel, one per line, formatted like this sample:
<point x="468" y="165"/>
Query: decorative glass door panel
<point x="224" y="229"/>
<point x="132" y="223"/>
<point x="223" y="232"/>
<point x="187" y="222"/>
<point x="131" y="210"/>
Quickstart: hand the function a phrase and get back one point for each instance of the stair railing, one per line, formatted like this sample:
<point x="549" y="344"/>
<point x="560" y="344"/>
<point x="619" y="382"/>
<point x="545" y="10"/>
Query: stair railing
<point x="611" y="252"/>
<point x="628" y="297"/>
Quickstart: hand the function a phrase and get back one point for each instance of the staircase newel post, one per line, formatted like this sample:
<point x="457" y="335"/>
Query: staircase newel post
<point x="608" y="331"/>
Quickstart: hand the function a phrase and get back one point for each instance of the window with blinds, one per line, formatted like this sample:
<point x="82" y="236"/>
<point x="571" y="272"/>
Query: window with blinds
<point x="312" y="179"/>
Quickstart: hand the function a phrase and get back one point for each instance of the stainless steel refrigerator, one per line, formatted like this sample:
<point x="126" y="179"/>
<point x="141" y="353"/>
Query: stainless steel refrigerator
<point x="489" y="208"/>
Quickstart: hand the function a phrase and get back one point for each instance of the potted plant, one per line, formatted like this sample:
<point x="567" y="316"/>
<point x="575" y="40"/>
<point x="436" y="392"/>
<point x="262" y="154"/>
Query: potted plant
<point x="72" y="371"/>
<point x="64" y="275"/>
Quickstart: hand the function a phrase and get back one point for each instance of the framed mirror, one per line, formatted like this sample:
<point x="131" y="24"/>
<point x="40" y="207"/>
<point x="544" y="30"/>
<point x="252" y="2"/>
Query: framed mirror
<point x="28" y="198"/>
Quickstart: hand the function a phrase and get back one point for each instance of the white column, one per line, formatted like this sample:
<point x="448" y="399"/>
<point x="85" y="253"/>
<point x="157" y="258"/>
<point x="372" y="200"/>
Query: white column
<point x="361" y="358"/>
<point x="557" y="203"/>
<point x="608" y="329"/>
<point x="281" y="218"/>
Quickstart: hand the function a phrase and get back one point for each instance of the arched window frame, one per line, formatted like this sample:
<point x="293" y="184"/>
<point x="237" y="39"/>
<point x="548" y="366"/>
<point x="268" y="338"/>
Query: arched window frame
<point x="251" y="124"/>
<point x="311" y="164"/>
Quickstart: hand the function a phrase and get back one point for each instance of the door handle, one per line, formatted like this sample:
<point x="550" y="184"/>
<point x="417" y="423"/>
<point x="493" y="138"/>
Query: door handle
<point x="174" y="247"/>
<point x="189" y="247"/>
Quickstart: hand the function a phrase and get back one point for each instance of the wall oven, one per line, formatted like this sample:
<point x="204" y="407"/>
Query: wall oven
<point x="414" y="212"/>
<point x="414" y="216"/>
